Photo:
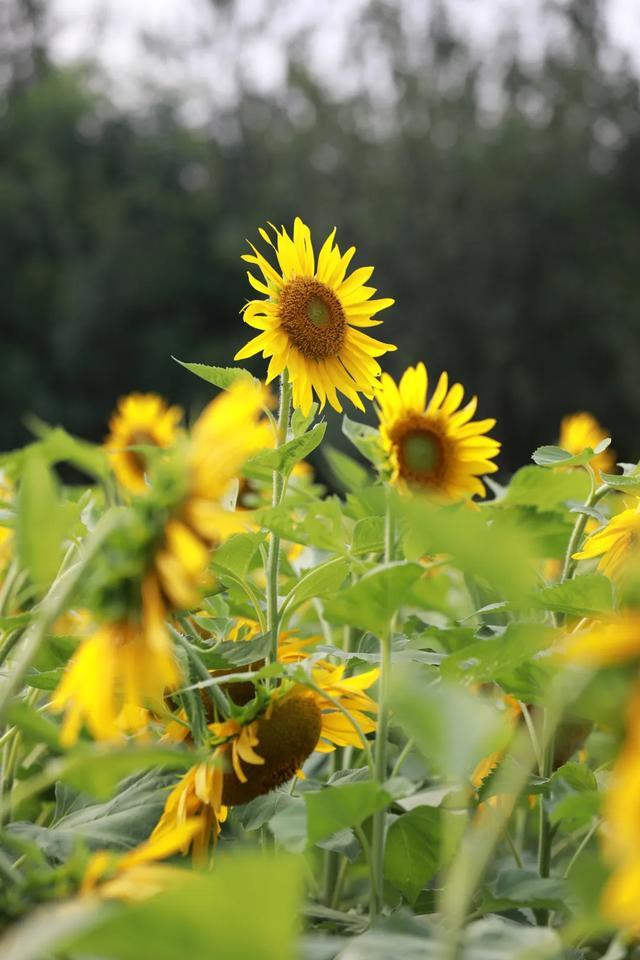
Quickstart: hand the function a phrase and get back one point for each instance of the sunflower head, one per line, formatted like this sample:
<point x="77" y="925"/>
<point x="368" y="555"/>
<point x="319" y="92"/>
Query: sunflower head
<point x="617" y="545"/>
<point x="311" y="318"/>
<point x="580" y="430"/>
<point x="141" y="420"/>
<point x="434" y="447"/>
<point x="275" y="746"/>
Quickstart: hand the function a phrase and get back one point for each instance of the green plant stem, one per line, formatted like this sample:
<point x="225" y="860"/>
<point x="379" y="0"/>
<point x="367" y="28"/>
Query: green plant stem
<point x="380" y="770"/>
<point x="402" y="756"/>
<point x="583" y="844"/>
<point x="273" y="558"/>
<point x="216" y="696"/>
<point x="545" y="834"/>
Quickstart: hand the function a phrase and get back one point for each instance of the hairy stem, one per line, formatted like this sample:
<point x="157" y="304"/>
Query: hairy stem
<point x="273" y="559"/>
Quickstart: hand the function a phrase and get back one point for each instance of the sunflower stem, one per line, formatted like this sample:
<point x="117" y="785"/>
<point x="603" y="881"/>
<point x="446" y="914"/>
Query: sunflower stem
<point x="545" y="834"/>
<point x="380" y="769"/>
<point x="273" y="558"/>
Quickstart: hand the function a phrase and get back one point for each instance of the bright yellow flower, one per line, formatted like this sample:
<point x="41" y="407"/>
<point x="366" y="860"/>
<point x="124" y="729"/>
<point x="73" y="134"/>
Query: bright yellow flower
<point x="310" y="318"/>
<point x="7" y="492"/>
<point x="118" y="675"/>
<point x="197" y="795"/>
<point x="135" y="876"/>
<point x="617" y="544"/>
<point x="336" y="728"/>
<point x="225" y="435"/>
<point x="610" y="641"/>
<point x="621" y="898"/>
<point x="436" y="447"/>
<point x="142" y="419"/>
<point x="580" y="430"/>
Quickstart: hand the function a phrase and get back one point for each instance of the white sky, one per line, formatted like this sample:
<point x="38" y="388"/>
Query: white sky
<point x="110" y="30"/>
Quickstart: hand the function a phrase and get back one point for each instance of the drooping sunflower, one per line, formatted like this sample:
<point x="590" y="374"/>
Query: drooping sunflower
<point x="434" y="447"/>
<point x="141" y="420"/>
<point x="580" y="430"/>
<point x="120" y="672"/>
<point x="311" y="319"/>
<point x="617" y="544"/>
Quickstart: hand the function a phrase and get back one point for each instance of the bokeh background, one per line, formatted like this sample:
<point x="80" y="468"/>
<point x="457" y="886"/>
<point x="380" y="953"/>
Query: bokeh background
<point x="484" y="155"/>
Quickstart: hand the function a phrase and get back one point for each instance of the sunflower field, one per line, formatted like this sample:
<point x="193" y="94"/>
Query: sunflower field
<point x="242" y="716"/>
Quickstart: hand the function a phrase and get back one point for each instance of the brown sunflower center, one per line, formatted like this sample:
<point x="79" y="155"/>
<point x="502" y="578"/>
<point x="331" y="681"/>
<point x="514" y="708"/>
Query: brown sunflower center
<point x="420" y="450"/>
<point x="137" y="460"/>
<point x="312" y="317"/>
<point x="286" y="737"/>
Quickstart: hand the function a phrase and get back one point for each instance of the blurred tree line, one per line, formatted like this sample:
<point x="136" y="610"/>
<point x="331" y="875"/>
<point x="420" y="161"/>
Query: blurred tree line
<point x="508" y="235"/>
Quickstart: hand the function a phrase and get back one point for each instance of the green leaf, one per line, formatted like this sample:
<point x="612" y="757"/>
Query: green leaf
<point x="546" y="531"/>
<point x="525" y="888"/>
<point x="370" y="603"/>
<point x="557" y="457"/>
<point x="236" y="554"/>
<point x="366" y="439"/>
<point x="206" y="915"/>
<point x="577" y="775"/>
<point x="577" y="809"/>
<point x="368" y="535"/>
<point x="40" y="521"/>
<point x="284" y="458"/>
<point x="453" y="728"/>
<point x="625" y="484"/>
<point x="98" y="769"/>
<point x="350" y="474"/>
<point x="289" y="825"/>
<point x="34" y="725"/>
<point x="545" y="489"/>
<point x="301" y="423"/>
<point x="321" y="581"/>
<point x="337" y="807"/>
<point x="581" y="597"/>
<point x="321" y="525"/>
<point x="119" y="824"/>
<point x="15" y="622"/>
<point x="222" y="377"/>
<point x="60" y="447"/>
<point x="485" y="660"/>
<point x="418" y="844"/>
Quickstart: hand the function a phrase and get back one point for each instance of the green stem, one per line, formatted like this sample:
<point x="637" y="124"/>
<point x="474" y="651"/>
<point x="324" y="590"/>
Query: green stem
<point x="273" y="559"/>
<point x="578" y="530"/>
<point x="582" y="846"/>
<point x="380" y="770"/>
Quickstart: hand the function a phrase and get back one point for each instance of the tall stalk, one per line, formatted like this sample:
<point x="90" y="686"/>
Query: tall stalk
<point x="376" y="899"/>
<point x="273" y="557"/>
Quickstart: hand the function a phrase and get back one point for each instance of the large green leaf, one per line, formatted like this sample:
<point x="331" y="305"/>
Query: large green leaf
<point x="418" y="844"/>
<point x="321" y="581"/>
<point x="350" y="474"/>
<point x="485" y="660"/>
<point x="557" y="457"/>
<point x="370" y="603"/>
<point x="119" y="824"/>
<point x="338" y="807"/>
<point x="584" y="596"/>
<point x="236" y="554"/>
<point x="546" y="489"/>
<point x="284" y="458"/>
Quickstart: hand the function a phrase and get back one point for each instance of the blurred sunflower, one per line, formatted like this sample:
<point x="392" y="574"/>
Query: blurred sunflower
<point x="617" y="544"/>
<point x="434" y="447"/>
<point x="580" y="430"/>
<point x="141" y="420"/>
<point x="7" y="493"/>
<point x="610" y="641"/>
<point x="120" y="672"/>
<point x="310" y="318"/>
<point x="157" y="563"/>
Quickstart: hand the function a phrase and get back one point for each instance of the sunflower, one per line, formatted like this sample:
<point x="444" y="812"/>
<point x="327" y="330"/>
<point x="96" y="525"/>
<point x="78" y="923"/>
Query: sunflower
<point x="228" y="431"/>
<point x="120" y="672"/>
<point x="580" y="430"/>
<point x="7" y="493"/>
<point x="621" y="897"/>
<point x="435" y="448"/>
<point x="197" y="795"/>
<point x="311" y="318"/>
<point x="617" y="544"/>
<point x="611" y="641"/>
<point x="337" y="730"/>
<point x="141" y="420"/>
